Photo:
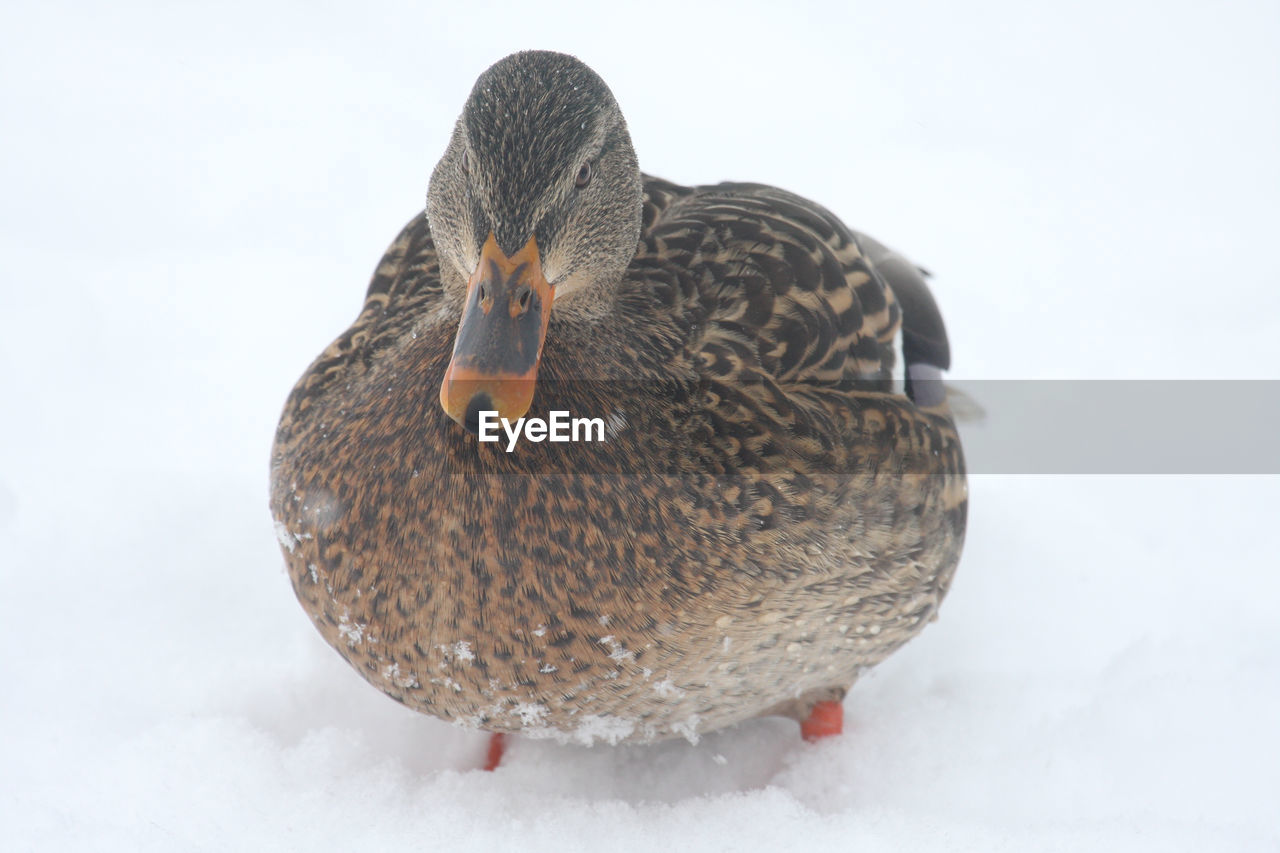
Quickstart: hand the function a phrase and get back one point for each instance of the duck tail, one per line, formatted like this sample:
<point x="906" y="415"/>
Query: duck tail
<point x="926" y="353"/>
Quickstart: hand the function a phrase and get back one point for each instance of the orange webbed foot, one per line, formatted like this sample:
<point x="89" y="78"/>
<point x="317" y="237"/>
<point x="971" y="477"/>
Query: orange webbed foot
<point x="497" y="746"/>
<point x="825" y="719"/>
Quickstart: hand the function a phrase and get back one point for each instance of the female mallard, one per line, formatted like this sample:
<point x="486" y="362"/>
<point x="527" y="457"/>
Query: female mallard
<point x="766" y="515"/>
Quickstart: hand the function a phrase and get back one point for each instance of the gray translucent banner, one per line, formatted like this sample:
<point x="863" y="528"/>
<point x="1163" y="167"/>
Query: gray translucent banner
<point x="1006" y="427"/>
<point x="1119" y="426"/>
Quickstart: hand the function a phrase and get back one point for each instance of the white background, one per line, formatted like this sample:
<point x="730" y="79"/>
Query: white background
<point x="192" y="198"/>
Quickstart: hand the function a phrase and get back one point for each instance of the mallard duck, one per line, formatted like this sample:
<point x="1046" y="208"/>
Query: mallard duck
<point x="773" y="498"/>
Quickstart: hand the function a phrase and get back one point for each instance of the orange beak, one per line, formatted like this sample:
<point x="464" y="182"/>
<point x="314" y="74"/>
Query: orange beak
<point x="499" y="344"/>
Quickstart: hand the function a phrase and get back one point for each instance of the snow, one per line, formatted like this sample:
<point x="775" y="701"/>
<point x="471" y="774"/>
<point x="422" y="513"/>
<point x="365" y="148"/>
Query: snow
<point x="193" y="201"/>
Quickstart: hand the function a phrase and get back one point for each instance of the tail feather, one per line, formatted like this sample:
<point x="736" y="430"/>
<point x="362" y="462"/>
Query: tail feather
<point x="925" y="348"/>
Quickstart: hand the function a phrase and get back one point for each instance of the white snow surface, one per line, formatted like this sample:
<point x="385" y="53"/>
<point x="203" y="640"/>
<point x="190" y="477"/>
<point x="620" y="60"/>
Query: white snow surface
<point x="193" y="200"/>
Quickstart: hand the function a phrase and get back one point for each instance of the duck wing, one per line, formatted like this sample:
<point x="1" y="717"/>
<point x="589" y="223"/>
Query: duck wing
<point x="405" y="283"/>
<point x="787" y="295"/>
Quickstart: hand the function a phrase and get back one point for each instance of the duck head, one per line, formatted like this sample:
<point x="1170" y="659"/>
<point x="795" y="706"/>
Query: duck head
<point x="536" y="203"/>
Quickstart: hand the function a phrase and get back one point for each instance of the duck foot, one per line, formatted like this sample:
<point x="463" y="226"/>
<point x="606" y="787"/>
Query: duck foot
<point x="826" y="718"/>
<point x="497" y="746"/>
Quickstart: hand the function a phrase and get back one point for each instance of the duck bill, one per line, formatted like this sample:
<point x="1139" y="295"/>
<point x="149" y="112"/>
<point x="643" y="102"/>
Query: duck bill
<point x="499" y="344"/>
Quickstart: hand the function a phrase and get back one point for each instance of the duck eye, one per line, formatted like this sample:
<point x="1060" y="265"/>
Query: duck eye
<point x="584" y="175"/>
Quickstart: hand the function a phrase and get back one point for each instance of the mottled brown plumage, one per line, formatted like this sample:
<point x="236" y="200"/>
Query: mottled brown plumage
<point x="769" y="516"/>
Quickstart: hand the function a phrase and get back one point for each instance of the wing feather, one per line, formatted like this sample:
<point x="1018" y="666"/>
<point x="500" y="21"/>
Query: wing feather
<point x="786" y="290"/>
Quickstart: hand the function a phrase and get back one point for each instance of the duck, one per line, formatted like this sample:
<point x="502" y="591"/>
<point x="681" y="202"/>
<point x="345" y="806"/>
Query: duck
<point x="767" y="495"/>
